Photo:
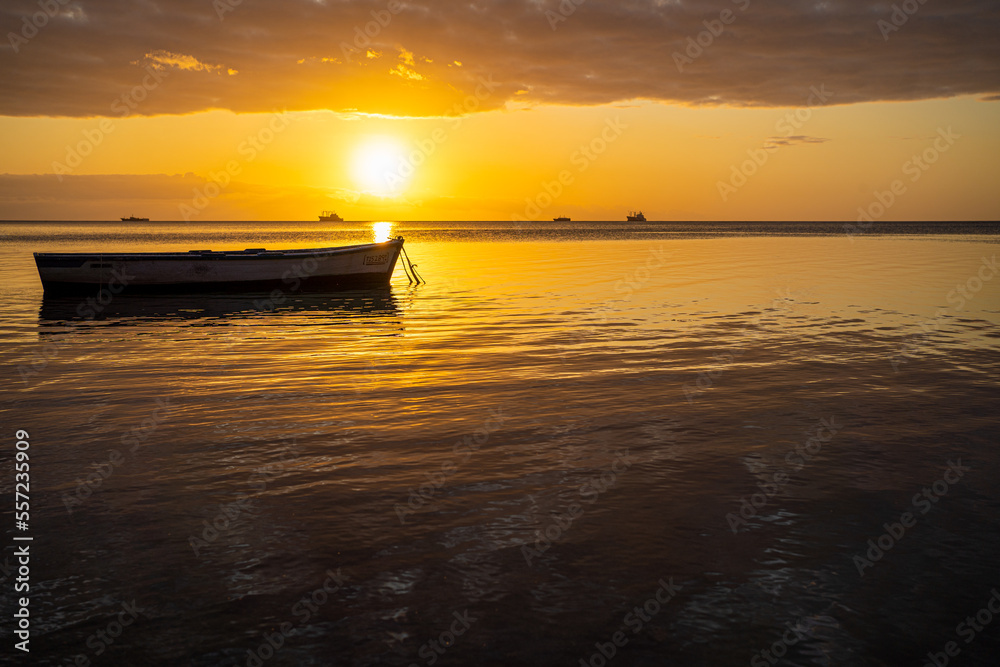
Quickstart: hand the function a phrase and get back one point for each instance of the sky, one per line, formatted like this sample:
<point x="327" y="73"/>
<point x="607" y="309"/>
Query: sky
<point x="522" y="110"/>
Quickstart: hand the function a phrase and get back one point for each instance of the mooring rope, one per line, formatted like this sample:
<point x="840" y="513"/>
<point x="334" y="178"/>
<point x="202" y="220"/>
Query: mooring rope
<point x="404" y="262"/>
<point x="407" y="272"/>
<point x="413" y="267"/>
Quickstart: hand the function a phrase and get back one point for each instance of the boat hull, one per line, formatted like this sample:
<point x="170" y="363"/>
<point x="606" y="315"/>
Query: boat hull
<point x="255" y="270"/>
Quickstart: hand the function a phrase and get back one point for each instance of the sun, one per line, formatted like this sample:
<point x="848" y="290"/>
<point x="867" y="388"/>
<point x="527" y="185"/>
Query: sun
<point x="380" y="166"/>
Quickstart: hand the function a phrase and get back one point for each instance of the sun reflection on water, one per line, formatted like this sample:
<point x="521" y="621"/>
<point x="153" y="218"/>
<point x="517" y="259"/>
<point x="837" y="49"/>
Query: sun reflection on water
<point x="382" y="231"/>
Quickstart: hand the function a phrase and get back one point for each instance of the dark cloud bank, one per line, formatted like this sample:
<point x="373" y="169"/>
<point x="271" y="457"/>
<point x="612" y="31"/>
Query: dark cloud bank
<point x="257" y="55"/>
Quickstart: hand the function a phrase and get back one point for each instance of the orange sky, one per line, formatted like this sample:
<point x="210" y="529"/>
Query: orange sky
<point x="463" y="115"/>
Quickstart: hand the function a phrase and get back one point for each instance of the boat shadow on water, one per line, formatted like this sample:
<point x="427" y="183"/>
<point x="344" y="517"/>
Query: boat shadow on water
<point x="127" y="309"/>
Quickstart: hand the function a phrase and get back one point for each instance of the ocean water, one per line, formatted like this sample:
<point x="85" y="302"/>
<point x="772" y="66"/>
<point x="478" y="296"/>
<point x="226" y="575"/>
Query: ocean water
<point x="657" y="444"/>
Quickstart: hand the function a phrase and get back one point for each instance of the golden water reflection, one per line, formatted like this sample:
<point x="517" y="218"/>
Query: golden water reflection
<point x="382" y="231"/>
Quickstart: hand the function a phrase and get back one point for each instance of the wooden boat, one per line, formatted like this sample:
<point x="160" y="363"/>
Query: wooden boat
<point x="252" y="270"/>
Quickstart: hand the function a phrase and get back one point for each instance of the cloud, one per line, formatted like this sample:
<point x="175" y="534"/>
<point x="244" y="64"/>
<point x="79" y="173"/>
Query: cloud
<point x="311" y="55"/>
<point x="158" y="196"/>
<point x="795" y="139"/>
<point x="165" y="59"/>
<point x="49" y="188"/>
<point x="161" y="196"/>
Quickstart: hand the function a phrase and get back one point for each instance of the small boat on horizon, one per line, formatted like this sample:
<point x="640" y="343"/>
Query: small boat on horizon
<point x="132" y="218"/>
<point x="330" y="216"/>
<point x="636" y="216"/>
<point x="104" y="275"/>
<point x="562" y="219"/>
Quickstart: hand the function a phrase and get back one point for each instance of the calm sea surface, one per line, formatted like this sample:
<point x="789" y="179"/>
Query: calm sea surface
<point x="659" y="444"/>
